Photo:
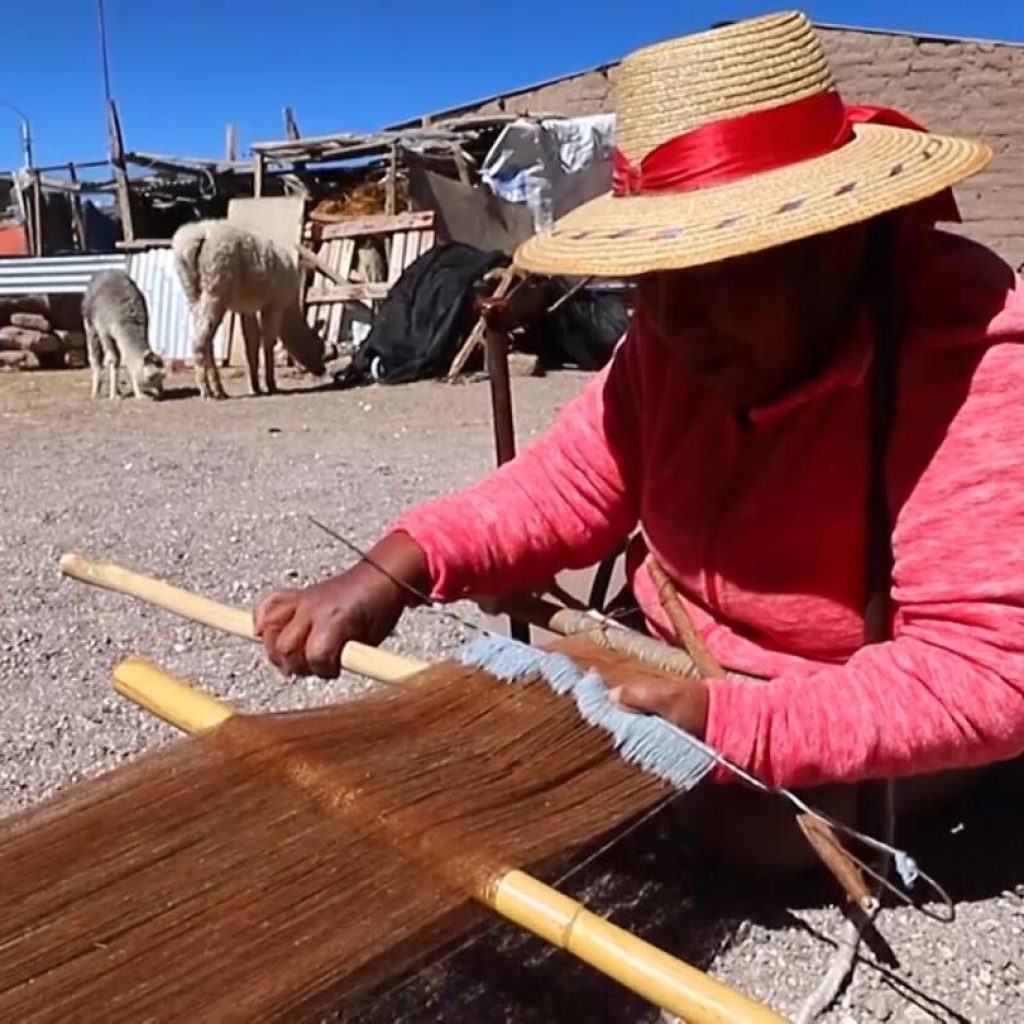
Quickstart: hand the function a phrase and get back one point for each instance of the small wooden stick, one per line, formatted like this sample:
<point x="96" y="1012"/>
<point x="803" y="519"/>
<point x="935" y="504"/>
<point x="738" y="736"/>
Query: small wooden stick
<point x="687" y="634"/>
<point x="827" y="846"/>
<point x="526" y="901"/>
<point x="476" y="336"/>
<point x="822" y="837"/>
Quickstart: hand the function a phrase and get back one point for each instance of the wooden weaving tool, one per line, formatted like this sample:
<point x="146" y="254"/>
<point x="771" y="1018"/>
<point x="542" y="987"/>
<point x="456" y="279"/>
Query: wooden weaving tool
<point x="176" y="903"/>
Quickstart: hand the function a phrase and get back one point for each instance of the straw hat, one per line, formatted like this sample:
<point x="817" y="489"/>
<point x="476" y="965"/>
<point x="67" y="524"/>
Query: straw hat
<point x="735" y="140"/>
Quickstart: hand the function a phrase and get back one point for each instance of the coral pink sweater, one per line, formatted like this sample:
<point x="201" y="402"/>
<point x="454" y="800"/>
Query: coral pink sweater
<point x="761" y="526"/>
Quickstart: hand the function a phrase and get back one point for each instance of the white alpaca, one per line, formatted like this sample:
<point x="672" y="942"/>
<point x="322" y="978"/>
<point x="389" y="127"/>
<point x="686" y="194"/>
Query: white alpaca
<point x="226" y="268"/>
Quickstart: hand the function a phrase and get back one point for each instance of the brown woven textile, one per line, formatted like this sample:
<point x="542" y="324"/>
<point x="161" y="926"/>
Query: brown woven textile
<point x="287" y="864"/>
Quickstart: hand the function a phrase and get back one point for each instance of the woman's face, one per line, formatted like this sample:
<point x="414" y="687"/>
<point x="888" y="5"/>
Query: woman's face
<point x="753" y="327"/>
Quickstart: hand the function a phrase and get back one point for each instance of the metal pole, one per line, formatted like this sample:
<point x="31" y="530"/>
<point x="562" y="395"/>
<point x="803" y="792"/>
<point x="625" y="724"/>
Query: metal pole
<point x="26" y="131"/>
<point x="103" y="50"/>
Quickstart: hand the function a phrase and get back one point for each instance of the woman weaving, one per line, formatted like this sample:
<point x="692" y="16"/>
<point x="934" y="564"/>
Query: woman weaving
<point x="783" y="244"/>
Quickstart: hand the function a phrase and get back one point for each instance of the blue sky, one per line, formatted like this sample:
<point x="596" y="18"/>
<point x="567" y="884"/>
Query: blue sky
<point x="181" y="71"/>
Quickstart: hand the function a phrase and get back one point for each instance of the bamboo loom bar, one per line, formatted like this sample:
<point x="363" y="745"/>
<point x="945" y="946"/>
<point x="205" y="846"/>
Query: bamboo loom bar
<point x="361" y="659"/>
<point x="518" y="897"/>
<point x="542" y="910"/>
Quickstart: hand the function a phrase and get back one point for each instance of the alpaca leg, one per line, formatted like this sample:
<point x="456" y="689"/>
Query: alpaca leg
<point x="133" y="374"/>
<point x="207" y="317"/>
<point x="95" y="352"/>
<point x="112" y="359"/>
<point x="216" y="383"/>
<point x="251" y="331"/>
<point x="270" y="324"/>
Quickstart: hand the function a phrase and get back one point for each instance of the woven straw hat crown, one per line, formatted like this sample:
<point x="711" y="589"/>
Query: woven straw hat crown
<point x="671" y="88"/>
<point x="767" y="69"/>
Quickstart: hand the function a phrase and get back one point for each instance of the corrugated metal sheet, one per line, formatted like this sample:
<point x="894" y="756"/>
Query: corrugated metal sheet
<point x="169" y="322"/>
<point x="153" y="271"/>
<point x="54" y="275"/>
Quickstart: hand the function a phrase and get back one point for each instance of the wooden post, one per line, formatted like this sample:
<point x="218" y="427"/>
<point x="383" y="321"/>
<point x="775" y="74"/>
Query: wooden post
<point x="391" y="197"/>
<point x="37" y="213"/>
<point x="291" y="126"/>
<point x="504" y="285"/>
<point x="259" y="169"/>
<point x="117" y="162"/>
<point x="496" y="354"/>
<point x="76" y="209"/>
<point x="26" y="213"/>
<point x="230" y="144"/>
<point x="461" y="164"/>
<point x="496" y="349"/>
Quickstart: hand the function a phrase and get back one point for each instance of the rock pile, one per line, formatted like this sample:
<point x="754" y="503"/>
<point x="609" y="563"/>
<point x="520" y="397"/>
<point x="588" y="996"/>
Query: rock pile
<point x="28" y="340"/>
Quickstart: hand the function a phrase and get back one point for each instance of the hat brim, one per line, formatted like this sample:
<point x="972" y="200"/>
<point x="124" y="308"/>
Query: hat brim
<point x="880" y="169"/>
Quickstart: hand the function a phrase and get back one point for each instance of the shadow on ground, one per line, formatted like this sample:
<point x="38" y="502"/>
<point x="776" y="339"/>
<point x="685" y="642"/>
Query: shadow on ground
<point x="974" y="847"/>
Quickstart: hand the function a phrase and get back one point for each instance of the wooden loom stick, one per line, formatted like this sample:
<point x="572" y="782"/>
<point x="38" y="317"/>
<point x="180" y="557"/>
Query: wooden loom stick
<point x="685" y="631"/>
<point x="517" y="896"/>
<point x="385" y="667"/>
<point x="362" y="659"/>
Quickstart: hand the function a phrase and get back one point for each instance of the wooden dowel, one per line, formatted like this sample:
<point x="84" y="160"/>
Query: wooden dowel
<point x="704" y="660"/>
<point x="517" y="896"/>
<point x="177" y="703"/>
<point x="362" y="659"/>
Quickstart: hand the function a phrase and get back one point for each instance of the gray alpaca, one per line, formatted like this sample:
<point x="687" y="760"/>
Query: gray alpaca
<point x="117" y="328"/>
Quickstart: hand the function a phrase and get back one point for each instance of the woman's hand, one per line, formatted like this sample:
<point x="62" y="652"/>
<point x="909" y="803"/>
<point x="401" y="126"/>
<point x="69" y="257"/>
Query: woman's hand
<point x="683" y="702"/>
<point x="304" y="630"/>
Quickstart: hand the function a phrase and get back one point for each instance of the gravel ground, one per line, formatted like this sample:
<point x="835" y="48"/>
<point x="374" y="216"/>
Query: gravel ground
<point x="214" y="496"/>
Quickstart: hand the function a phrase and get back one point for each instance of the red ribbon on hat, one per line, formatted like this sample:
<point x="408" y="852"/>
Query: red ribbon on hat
<point x="763" y="140"/>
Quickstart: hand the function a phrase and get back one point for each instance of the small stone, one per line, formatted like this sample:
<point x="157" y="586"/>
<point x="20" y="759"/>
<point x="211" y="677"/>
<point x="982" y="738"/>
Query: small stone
<point x="877" y="1004"/>
<point x="522" y="364"/>
<point x="918" y="1015"/>
<point x="31" y="321"/>
<point x="40" y="343"/>
<point x="18" y="360"/>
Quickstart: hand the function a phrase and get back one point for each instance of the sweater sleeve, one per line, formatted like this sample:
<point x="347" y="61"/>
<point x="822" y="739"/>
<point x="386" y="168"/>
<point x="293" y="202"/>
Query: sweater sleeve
<point x="563" y="503"/>
<point x="948" y="691"/>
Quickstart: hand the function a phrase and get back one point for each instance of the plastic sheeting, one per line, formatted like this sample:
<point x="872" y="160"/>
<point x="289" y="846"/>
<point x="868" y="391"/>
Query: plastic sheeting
<point x="551" y="165"/>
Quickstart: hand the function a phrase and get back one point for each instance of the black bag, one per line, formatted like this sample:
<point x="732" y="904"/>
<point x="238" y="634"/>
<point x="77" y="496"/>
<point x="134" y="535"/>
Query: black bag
<point x="586" y="329"/>
<point x="424" y="319"/>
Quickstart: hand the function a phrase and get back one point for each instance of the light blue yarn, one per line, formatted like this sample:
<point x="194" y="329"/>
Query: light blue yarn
<point x="907" y="869"/>
<point x="650" y="742"/>
<point x="647" y="741"/>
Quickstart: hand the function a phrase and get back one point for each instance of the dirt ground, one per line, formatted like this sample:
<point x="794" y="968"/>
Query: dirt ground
<point x="215" y="496"/>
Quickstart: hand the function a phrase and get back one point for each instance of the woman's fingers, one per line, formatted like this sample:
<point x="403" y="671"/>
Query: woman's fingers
<point x="289" y="650"/>
<point x="327" y="636"/>
<point x="680" y="701"/>
<point x="274" y="611"/>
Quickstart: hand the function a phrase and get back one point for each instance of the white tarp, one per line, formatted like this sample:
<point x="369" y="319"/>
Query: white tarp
<point x="552" y="165"/>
